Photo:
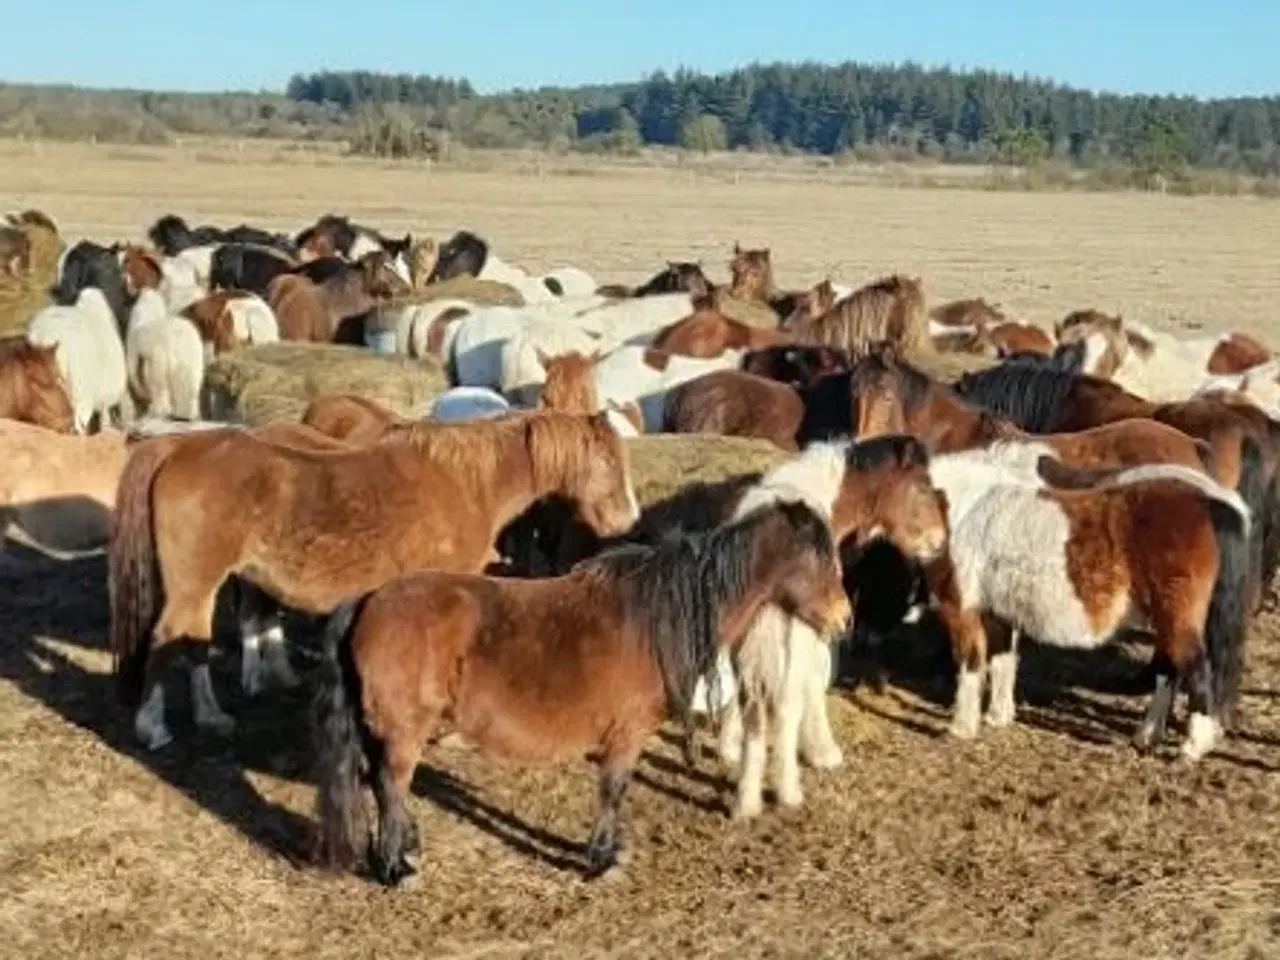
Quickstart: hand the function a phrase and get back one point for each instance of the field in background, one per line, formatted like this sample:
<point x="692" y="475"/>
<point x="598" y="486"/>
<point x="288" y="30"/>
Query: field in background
<point x="1207" y="261"/>
<point x="1051" y="839"/>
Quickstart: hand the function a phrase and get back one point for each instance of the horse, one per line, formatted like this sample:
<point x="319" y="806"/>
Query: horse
<point x="892" y="396"/>
<point x="891" y="308"/>
<point x="316" y="311"/>
<point x="570" y="387"/>
<point x="797" y="365"/>
<point x="231" y="317"/>
<point x="961" y="324"/>
<point x="467" y="254"/>
<point x="865" y="492"/>
<point x="175" y="279"/>
<point x="88" y="264"/>
<point x="522" y="367"/>
<point x="171" y="235"/>
<point x="309" y="527"/>
<point x="587" y="665"/>
<point x="731" y="403"/>
<point x="32" y="387"/>
<point x="676" y="277"/>
<point x="707" y="333"/>
<point x="1042" y="399"/>
<point x="59" y="489"/>
<point x="1160" y="547"/>
<point x="164" y="357"/>
<point x="1155" y="365"/>
<point x="643" y="376"/>
<point x="247" y="266"/>
<point x="90" y="356"/>
<point x="751" y="278"/>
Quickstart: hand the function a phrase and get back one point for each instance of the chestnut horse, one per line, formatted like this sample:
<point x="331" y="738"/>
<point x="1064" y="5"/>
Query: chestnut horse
<point x="707" y="333"/>
<point x="892" y="396"/>
<point x="1156" y="547"/>
<point x="311" y="527"/>
<point x="32" y="388"/>
<point x="730" y="403"/>
<point x="582" y="666"/>
<point x="354" y="419"/>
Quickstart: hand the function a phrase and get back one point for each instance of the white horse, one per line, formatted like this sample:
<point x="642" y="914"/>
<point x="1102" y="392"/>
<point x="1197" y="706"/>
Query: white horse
<point x="253" y="319"/>
<point x="180" y="283"/>
<point x="636" y="374"/>
<point x="635" y="320"/>
<point x="475" y="344"/>
<point x="165" y="359"/>
<point x="195" y="262"/>
<point x="1022" y="559"/>
<point x="90" y="357"/>
<point x="782" y="661"/>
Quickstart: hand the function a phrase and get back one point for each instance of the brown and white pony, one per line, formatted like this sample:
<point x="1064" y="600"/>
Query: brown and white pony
<point x="32" y="388"/>
<point x="586" y="665"/>
<point x="1159" y="548"/>
<point x="1161" y="366"/>
<point x="311" y="527"/>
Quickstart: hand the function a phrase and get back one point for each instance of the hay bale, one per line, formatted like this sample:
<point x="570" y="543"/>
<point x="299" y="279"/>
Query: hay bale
<point x="664" y="463"/>
<point x="485" y="293"/>
<point x="751" y="312"/>
<point x="276" y="381"/>
<point x="23" y="295"/>
<point x="949" y="367"/>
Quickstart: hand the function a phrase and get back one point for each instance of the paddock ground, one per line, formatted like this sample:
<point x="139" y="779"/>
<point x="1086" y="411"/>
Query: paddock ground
<point x="1049" y="839"/>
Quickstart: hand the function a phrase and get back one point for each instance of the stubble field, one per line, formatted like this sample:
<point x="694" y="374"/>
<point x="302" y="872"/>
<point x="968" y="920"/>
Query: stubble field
<point x="1048" y="839"/>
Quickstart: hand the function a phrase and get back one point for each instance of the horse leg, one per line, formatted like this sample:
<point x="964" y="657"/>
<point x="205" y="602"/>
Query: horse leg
<point x="603" y="846"/>
<point x="263" y="651"/>
<point x="1151" y="731"/>
<point x="209" y="714"/>
<point x="1002" y="649"/>
<point x="1204" y="729"/>
<point x="790" y="710"/>
<point x="969" y="645"/>
<point x="398" y="842"/>
<point x="149" y="724"/>
<point x="750" y="798"/>
<point x="818" y="745"/>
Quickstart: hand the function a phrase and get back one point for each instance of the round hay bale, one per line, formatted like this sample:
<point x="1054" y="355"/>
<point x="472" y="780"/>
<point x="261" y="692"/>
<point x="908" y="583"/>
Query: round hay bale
<point x="23" y="295"/>
<point x="664" y="463"/>
<point x="485" y="293"/>
<point x="276" y="381"/>
<point x="751" y="312"/>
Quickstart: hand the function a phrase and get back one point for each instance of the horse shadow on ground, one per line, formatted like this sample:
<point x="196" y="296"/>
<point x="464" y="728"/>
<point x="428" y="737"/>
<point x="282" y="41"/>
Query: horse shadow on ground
<point x="65" y="600"/>
<point x="1066" y="692"/>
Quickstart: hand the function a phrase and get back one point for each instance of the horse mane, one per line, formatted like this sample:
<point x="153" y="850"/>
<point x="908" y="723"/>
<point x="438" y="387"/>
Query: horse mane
<point x="889" y="309"/>
<point x="675" y="588"/>
<point x="887" y="450"/>
<point x="24" y="363"/>
<point x="1033" y="396"/>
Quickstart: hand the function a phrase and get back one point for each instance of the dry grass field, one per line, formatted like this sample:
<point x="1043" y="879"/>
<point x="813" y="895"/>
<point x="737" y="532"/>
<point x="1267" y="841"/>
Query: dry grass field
<point x="1049" y="839"/>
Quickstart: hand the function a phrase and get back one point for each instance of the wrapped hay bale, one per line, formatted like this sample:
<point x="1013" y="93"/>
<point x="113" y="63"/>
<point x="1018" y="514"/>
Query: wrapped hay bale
<point x="24" y="292"/>
<point x="276" y="381"/>
<point x="662" y="464"/>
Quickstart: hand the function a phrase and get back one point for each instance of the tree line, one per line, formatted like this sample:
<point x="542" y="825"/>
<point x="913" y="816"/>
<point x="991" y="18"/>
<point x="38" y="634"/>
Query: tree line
<point x="886" y="112"/>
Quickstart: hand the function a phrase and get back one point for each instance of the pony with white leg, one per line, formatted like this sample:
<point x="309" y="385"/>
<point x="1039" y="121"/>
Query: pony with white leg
<point x="873" y="489"/>
<point x="165" y="359"/>
<point x="90" y="357"/>
<point x="1162" y="548"/>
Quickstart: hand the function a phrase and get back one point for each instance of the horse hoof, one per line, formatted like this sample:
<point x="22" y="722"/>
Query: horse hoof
<point x="791" y="797"/>
<point x="746" y="809"/>
<point x="998" y="718"/>
<point x="222" y="726"/>
<point x="1144" y="741"/>
<point x="393" y="874"/>
<point x="830" y="758"/>
<point x="156" y="739"/>
<point x="962" y="731"/>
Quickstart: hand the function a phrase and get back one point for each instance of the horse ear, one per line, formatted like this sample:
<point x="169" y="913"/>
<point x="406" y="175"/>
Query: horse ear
<point x="543" y="359"/>
<point x="597" y="355"/>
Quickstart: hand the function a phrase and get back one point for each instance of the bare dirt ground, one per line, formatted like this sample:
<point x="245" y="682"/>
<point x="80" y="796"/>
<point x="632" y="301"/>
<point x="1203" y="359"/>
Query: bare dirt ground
<point x="1049" y="839"/>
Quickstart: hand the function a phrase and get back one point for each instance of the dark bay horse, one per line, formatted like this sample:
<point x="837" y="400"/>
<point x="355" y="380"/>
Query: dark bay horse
<point x="586" y="665"/>
<point x="312" y="526"/>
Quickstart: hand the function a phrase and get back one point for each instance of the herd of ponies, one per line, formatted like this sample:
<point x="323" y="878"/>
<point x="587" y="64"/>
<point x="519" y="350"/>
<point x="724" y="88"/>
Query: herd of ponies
<point x="485" y="576"/>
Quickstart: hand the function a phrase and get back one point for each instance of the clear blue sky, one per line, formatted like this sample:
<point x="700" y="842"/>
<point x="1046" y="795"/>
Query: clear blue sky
<point x="1201" y="47"/>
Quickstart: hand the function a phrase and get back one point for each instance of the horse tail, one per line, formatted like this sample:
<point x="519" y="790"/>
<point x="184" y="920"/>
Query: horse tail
<point x="1209" y="488"/>
<point x="338" y="729"/>
<point x="1233" y="588"/>
<point x="133" y="571"/>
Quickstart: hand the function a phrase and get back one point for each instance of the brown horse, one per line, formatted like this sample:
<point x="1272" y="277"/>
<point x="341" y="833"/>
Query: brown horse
<point x="347" y="417"/>
<point x="32" y="388"/>
<point x="587" y="665"/>
<point x="214" y="321"/>
<point x="707" y="333"/>
<point x="751" y="278"/>
<point x="892" y="396"/>
<point x="891" y="309"/>
<point x="316" y="311"/>
<point x="735" y="404"/>
<point x="570" y="385"/>
<point x="676" y="277"/>
<point x="310" y="527"/>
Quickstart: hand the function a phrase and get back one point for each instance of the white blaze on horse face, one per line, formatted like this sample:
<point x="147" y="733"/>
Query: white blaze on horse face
<point x="1095" y="348"/>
